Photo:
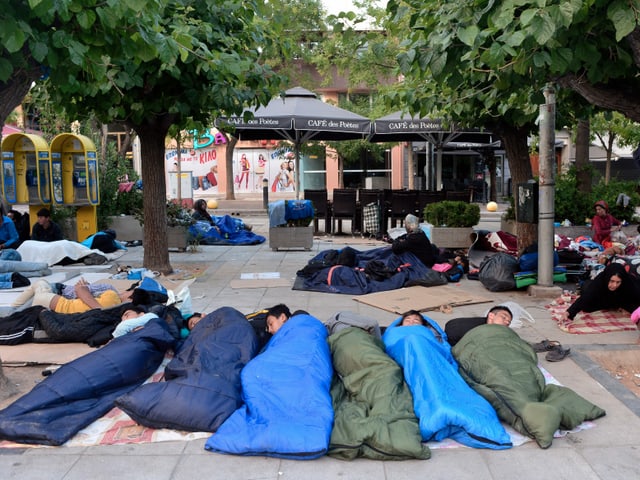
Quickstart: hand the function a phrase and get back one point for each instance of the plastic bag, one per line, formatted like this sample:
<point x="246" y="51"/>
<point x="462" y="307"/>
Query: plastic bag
<point x="181" y="300"/>
<point x="519" y="314"/>
<point x="496" y="272"/>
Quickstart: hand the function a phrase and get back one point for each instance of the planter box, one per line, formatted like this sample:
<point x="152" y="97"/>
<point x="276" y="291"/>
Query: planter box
<point x="508" y="226"/>
<point x="178" y="238"/>
<point x="285" y="238"/>
<point x="446" y="237"/>
<point x="127" y="228"/>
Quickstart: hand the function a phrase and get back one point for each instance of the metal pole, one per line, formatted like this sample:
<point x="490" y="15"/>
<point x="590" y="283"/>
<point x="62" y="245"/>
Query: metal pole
<point x="546" y="187"/>
<point x="265" y="193"/>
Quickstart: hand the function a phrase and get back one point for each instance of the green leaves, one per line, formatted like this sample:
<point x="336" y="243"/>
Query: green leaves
<point x="623" y="21"/>
<point x="468" y="35"/>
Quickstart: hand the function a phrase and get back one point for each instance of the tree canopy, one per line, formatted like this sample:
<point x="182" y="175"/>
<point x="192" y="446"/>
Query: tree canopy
<point x="147" y="64"/>
<point x="486" y="63"/>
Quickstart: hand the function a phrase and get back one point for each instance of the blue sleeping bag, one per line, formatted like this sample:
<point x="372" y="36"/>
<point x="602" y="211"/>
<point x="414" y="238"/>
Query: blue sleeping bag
<point x="202" y="386"/>
<point x="443" y="402"/>
<point x="288" y="411"/>
<point x="85" y="389"/>
<point x="230" y="231"/>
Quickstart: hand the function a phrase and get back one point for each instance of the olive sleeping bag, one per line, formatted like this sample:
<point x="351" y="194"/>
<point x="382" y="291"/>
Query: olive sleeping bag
<point x="373" y="407"/>
<point x="503" y="368"/>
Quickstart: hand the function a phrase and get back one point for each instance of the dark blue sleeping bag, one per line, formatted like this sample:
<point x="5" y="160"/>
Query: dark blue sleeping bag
<point x="354" y="279"/>
<point x="443" y="402"/>
<point x="85" y="389"/>
<point x="202" y="386"/>
<point x="288" y="411"/>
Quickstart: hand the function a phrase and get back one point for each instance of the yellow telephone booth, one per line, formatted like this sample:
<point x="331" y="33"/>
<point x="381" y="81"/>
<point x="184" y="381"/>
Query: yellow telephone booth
<point x="74" y="175"/>
<point x="26" y="170"/>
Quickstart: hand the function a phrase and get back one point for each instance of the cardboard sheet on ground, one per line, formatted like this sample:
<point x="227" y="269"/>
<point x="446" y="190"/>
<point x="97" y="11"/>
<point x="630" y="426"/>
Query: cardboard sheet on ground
<point x="420" y="298"/>
<point x="42" y="353"/>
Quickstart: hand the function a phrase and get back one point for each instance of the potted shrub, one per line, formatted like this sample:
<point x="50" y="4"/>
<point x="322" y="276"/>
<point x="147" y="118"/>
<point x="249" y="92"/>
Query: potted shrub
<point x="178" y="222"/>
<point x="453" y="222"/>
<point x="296" y="232"/>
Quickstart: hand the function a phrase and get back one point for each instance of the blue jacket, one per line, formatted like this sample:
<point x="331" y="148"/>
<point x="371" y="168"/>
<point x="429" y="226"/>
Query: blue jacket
<point x="8" y="233"/>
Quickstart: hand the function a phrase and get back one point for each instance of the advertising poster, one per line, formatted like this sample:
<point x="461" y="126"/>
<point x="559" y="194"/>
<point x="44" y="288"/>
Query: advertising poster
<point x="202" y="164"/>
<point x="252" y="166"/>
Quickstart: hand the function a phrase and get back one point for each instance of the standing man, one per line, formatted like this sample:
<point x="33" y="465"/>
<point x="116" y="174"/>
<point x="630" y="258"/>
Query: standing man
<point x="45" y="230"/>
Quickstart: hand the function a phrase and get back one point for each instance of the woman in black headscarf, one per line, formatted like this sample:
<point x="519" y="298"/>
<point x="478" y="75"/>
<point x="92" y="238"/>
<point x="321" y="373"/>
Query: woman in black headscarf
<point x="613" y="288"/>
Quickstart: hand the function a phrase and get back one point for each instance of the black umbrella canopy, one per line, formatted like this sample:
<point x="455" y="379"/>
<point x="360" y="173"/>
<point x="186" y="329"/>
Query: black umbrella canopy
<point x="403" y="127"/>
<point x="299" y="116"/>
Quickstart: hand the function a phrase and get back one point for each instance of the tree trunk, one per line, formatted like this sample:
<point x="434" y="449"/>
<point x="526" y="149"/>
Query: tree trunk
<point x="609" y="149"/>
<point x="231" y="145"/>
<point x="152" y="147"/>
<point x="583" y="172"/>
<point x="515" y="145"/>
<point x="13" y="91"/>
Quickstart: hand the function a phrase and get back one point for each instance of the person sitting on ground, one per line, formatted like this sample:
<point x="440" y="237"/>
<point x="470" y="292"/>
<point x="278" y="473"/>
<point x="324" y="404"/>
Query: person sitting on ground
<point x="603" y="223"/>
<point x="45" y="229"/>
<point x="21" y="221"/>
<point x="415" y="241"/>
<point x="457" y="327"/>
<point x="611" y="289"/>
<point x="85" y="301"/>
<point x="133" y="317"/>
<point x="200" y="213"/>
<point x="9" y="238"/>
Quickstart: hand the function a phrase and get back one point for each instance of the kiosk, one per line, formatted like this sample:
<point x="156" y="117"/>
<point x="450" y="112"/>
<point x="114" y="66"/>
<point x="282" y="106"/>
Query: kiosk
<point x="26" y="170"/>
<point x="74" y="175"/>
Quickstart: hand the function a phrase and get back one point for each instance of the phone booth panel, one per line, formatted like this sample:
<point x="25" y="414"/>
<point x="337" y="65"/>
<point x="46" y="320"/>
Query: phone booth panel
<point x="26" y="170"/>
<point x="74" y="175"/>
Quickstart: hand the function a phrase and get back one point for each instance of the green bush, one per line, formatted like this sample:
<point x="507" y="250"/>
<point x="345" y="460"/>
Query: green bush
<point x="112" y="201"/>
<point x="448" y="213"/>
<point x="577" y="206"/>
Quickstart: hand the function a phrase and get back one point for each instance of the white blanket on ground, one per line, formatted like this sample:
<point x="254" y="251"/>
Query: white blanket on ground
<point x="53" y="252"/>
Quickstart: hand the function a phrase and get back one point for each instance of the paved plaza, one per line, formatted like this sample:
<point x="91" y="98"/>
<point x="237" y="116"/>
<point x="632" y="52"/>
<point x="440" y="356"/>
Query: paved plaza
<point x="610" y="450"/>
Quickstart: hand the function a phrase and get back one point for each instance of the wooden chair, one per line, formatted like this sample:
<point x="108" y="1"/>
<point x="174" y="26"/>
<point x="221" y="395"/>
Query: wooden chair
<point x="460" y="195"/>
<point x="425" y="197"/>
<point x="322" y="207"/>
<point x="403" y="202"/>
<point x="344" y="206"/>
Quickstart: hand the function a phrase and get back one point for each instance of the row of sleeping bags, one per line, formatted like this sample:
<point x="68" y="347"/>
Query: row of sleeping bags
<point x="337" y="388"/>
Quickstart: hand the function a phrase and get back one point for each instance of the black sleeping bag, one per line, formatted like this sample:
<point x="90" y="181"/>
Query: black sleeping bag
<point x="85" y="389"/>
<point x="202" y="386"/>
<point x="18" y="327"/>
<point x="93" y="327"/>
